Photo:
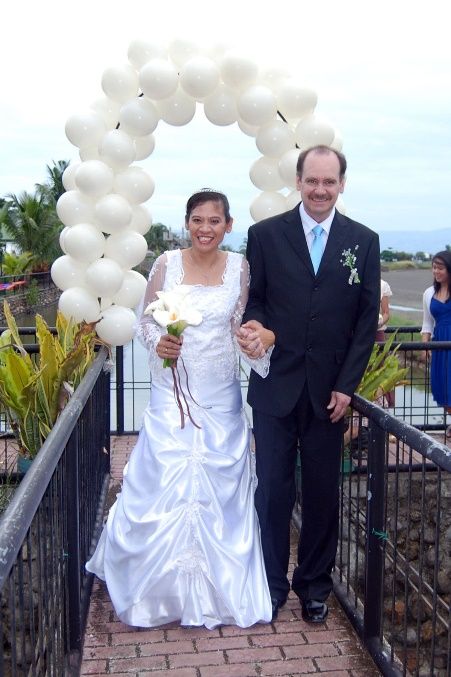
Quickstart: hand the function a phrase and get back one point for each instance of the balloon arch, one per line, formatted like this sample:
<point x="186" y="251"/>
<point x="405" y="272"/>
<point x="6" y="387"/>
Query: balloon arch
<point x="103" y="208"/>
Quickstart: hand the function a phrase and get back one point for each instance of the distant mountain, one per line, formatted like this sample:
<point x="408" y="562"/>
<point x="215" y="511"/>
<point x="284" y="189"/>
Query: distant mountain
<point x="429" y="241"/>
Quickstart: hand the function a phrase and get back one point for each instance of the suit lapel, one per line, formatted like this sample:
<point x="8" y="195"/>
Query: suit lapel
<point x="335" y="242"/>
<point x="294" y="232"/>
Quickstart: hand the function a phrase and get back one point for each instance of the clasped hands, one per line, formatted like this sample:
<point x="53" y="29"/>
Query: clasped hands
<point x="254" y="340"/>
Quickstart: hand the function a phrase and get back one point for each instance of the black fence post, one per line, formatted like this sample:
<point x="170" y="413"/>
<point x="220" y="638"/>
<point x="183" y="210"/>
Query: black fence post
<point x="120" y="390"/>
<point x="374" y="566"/>
<point x="73" y="544"/>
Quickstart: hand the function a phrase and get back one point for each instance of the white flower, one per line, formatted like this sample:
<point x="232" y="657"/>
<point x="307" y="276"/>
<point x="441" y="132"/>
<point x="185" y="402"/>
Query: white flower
<point x="349" y="260"/>
<point x="173" y="308"/>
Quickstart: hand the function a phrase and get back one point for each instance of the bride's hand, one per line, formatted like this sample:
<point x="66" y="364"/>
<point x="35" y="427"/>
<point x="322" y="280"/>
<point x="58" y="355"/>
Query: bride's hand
<point x="168" y="347"/>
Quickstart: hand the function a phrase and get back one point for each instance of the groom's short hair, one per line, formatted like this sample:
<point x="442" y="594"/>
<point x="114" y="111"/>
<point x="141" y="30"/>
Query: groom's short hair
<point x="322" y="150"/>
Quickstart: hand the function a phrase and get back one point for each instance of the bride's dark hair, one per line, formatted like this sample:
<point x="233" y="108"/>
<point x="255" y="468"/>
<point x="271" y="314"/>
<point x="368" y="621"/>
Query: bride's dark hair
<point x="207" y="195"/>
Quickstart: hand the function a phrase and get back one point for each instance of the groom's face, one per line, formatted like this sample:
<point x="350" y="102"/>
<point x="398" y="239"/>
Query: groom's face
<point x="320" y="184"/>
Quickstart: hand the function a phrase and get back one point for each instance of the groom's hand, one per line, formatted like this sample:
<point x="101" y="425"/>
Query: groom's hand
<point x="338" y="404"/>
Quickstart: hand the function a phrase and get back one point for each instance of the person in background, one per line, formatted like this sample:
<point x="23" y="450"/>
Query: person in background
<point x="384" y="311"/>
<point x="388" y="399"/>
<point x="437" y="326"/>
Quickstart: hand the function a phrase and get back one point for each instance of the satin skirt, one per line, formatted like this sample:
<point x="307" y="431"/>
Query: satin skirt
<point x="182" y="541"/>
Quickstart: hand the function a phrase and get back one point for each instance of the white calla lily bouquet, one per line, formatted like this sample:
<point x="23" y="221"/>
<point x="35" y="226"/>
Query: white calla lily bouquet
<point x="173" y="310"/>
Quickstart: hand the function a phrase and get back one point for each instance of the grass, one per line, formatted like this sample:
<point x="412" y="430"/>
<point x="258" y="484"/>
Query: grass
<point x="405" y="265"/>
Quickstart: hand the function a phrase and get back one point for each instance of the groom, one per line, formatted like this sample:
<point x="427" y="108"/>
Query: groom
<point x="315" y="282"/>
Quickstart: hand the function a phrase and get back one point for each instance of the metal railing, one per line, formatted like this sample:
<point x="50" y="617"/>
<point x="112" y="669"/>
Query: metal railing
<point x="393" y="569"/>
<point x="46" y="536"/>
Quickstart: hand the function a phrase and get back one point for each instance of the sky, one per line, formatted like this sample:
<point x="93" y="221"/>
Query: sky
<point x="382" y="72"/>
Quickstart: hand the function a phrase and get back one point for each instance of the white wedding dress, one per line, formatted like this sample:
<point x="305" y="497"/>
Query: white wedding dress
<point x="182" y="541"/>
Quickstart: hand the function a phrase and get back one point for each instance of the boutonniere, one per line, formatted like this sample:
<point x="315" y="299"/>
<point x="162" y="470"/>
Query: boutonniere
<point x="349" y="259"/>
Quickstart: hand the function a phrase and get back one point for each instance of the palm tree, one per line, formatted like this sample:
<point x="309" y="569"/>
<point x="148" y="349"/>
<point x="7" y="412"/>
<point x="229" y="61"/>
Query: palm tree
<point x="32" y="224"/>
<point x="53" y="188"/>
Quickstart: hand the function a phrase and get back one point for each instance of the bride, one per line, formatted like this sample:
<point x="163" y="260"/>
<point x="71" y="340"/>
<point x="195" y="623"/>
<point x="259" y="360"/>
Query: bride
<point x="182" y="542"/>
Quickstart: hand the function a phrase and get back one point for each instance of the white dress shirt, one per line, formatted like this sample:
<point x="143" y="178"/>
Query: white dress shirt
<point x="308" y="225"/>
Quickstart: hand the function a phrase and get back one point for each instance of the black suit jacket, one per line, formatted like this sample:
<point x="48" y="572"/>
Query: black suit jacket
<point x="324" y="326"/>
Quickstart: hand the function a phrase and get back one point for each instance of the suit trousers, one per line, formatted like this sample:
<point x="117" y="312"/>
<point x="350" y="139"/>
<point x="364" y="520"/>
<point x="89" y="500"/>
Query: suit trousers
<point x="320" y="443"/>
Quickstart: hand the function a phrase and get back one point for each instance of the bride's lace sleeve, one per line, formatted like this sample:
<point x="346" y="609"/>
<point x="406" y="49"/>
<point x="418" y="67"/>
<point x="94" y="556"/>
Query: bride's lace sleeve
<point x="147" y="330"/>
<point x="261" y="364"/>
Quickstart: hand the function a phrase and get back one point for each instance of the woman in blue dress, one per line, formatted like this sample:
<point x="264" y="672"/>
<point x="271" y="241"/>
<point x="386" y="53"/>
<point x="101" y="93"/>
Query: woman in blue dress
<point x="437" y="325"/>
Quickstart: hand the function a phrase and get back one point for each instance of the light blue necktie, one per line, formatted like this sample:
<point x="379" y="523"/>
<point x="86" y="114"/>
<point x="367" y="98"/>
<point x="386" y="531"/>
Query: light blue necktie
<point x="316" y="251"/>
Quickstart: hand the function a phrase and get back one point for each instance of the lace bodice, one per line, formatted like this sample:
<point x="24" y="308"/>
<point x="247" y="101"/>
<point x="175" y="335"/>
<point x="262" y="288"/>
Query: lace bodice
<point x="209" y="350"/>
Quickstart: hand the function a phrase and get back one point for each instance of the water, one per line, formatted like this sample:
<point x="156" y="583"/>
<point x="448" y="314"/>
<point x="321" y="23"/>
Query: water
<point x="29" y="319"/>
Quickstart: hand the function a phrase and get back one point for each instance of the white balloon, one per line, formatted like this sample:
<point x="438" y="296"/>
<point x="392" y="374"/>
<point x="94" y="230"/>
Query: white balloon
<point x="108" y="110"/>
<point x="127" y="248"/>
<point x="79" y="304"/>
<point x="138" y="117"/>
<point x="132" y="289"/>
<point x="178" y="109"/>
<point x="89" y="153"/>
<point x="312" y="131"/>
<point x="287" y="167"/>
<point x="120" y="83"/>
<point x="116" y="149"/>
<point x="295" y="101"/>
<point x="220" y="107"/>
<point x="267" y="204"/>
<point x="217" y="52"/>
<point x="84" y="242"/>
<point x="292" y="199"/>
<point x="257" y="105"/>
<point x="66" y="272"/>
<point x="105" y="302"/>
<point x="62" y="237"/>
<point x="113" y="213"/>
<point x="237" y="70"/>
<point x="140" y="52"/>
<point x="117" y="326"/>
<point x="104" y="277"/>
<point x="94" y="178"/>
<point x="249" y="130"/>
<point x="69" y="175"/>
<point x="158" y="79"/>
<point x="337" y="143"/>
<point x="180" y="51"/>
<point x="85" y="129"/>
<point x="199" y="77"/>
<point x="340" y="205"/>
<point x="141" y="220"/>
<point x="144" y="146"/>
<point x="74" y="207"/>
<point x="275" y="138"/>
<point x="273" y="78"/>
<point x="135" y="185"/>
<point x="264" y="173"/>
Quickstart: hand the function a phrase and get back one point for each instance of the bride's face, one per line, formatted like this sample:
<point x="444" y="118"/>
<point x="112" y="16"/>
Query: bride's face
<point x="207" y="226"/>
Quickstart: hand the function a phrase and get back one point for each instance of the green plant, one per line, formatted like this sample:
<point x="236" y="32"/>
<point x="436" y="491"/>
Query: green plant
<point x="34" y="391"/>
<point x="16" y="264"/>
<point x="383" y="372"/>
<point x="32" y="294"/>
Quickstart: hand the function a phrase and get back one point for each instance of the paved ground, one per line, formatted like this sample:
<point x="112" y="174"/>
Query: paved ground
<point x="288" y="647"/>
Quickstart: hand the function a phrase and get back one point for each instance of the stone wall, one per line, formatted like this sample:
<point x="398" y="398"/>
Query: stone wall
<point x="19" y="303"/>
<point x="417" y="576"/>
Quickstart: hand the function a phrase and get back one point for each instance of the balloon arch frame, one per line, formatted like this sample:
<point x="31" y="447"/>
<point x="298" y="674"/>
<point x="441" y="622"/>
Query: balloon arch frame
<point x="103" y="209"/>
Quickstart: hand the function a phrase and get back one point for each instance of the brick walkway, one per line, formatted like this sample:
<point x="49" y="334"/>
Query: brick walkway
<point x="288" y="647"/>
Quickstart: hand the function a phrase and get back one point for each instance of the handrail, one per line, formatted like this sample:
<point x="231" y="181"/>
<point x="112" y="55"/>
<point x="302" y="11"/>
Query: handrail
<point x="17" y="517"/>
<point x="420" y="441"/>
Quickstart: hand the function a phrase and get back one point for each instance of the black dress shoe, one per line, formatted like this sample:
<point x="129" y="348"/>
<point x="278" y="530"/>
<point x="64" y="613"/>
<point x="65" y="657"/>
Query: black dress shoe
<point x="314" y="611"/>
<point x="276" y="605"/>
